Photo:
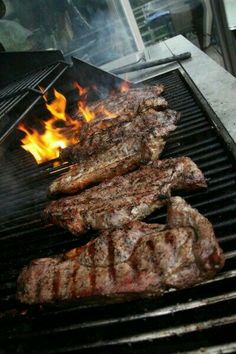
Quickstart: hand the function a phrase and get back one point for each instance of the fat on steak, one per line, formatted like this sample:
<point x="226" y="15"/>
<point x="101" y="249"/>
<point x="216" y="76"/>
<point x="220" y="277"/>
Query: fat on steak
<point x="134" y="196"/>
<point x="137" y="259"/>
<point x="116" y="150"/>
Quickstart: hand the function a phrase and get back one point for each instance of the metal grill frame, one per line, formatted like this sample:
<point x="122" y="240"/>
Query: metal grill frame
<point x="18" y="98"/>
<point x="219" y="126"/>
<point x="137" y="313"/>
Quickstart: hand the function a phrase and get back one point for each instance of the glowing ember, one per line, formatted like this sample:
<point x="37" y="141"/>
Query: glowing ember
<point x="47" y="145"/>
<point x="124" y="87"/>
<point x="23" y="312"/>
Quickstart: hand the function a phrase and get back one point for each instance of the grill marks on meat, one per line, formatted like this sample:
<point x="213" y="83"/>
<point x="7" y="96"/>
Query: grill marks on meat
<point x="101" y="253"/>
<point x="116" y="150"/>
<point x="120" y="159"/>
<point x="134" y="196"/>
<point x="103" y="138"/>
<point x="136" y="259"/>
<point x="126" y="106"/>
<point x="129" y="256"/>
<point x="157" y="123"/>
<point x="131" y="102"/>
<point x="111" y="147"/>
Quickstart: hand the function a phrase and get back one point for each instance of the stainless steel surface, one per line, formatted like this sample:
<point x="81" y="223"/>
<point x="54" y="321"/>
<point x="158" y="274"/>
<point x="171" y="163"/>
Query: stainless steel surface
<point x="219" y="349"/>
<point x="230" y="10"/>
<point x="126" y="60"/>
<point x="150" y="64"/>
<point x="175" y="331"/>
<point x="226" y="37"/>
<point x="216" y="85"/>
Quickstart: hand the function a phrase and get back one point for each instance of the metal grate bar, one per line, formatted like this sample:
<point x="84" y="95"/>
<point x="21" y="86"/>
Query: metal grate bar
<point x="165" y="333"/>
<point x="183" y="320"/>
<point x="219" y="349"/>
<point x="22" y="96"/>
<point x="29" y="82"/>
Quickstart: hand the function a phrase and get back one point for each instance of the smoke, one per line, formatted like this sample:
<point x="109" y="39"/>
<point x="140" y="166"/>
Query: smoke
<point x="108" y="38"/>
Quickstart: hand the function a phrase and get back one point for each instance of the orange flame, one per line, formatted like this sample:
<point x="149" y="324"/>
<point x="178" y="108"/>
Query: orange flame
<point x="82" y="103"/>
<point x="82" y="90"/>
<point x="58" y="107"/>
<point x="47" y="145"/>
<point x="84" y="109"/>
<point x="87" y="114"/>
<point x="124" y="87"/>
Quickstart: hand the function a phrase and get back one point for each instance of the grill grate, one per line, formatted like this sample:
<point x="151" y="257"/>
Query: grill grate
<point x="180" y="321"/>
<point x="16" y="99"/>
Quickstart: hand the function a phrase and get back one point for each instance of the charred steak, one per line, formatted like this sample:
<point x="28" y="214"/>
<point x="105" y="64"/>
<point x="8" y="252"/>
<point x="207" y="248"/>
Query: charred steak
<point x="134" y="196"/>
<point x="128" y="105"/>
<point x="137" y="259"/>
<point x="118" y="160"/>
<point x="160" y="123"/>
<point x="131" y="102"/>
<point x="117" y="150"/>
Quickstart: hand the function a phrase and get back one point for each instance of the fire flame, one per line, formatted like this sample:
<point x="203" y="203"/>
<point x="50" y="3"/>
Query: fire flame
<point x="124" y="87"/>
<point x="46" y="145"/>
<point x="87" y="114"/>
<point x="58" y="107"/>
<point x="82" y="103"/>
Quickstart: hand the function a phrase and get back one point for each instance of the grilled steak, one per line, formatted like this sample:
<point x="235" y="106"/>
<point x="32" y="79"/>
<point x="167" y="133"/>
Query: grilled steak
<point x="130" y="144"/>
<point x="137" y="259"/>
<point x="115" y="202"/>
<point x="152" y="122"/>
<point x="118" y="160"/>
<point x="122" y="107"/>
<point x="130" y="102"/>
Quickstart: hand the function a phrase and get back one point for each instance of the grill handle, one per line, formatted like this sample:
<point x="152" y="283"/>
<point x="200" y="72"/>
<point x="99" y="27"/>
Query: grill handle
<point x="139" y="66"/>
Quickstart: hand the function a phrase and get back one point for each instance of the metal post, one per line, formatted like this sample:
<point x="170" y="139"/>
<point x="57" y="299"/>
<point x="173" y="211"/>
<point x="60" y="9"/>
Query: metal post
<point x="132" y="24"/>
<point x="226" y="37"/>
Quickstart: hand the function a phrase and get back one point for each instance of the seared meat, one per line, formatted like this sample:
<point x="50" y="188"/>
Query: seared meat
<point x="123" y="106"/>
<point x="118" y="160"/>
<point x="115" y="202"/>
<point x="137" y="259"/>
<point x="146" y="90"/>
<point x="131" y="102"/>
<point x="152" y="122"/>
<point x="127" y="104"/>
<point x="119" y="108"/>
<point x="131" y="144"/>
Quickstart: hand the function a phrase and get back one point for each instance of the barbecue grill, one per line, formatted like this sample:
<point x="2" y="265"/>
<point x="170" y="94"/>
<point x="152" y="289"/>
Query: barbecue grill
<point x="190" y="320"/>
